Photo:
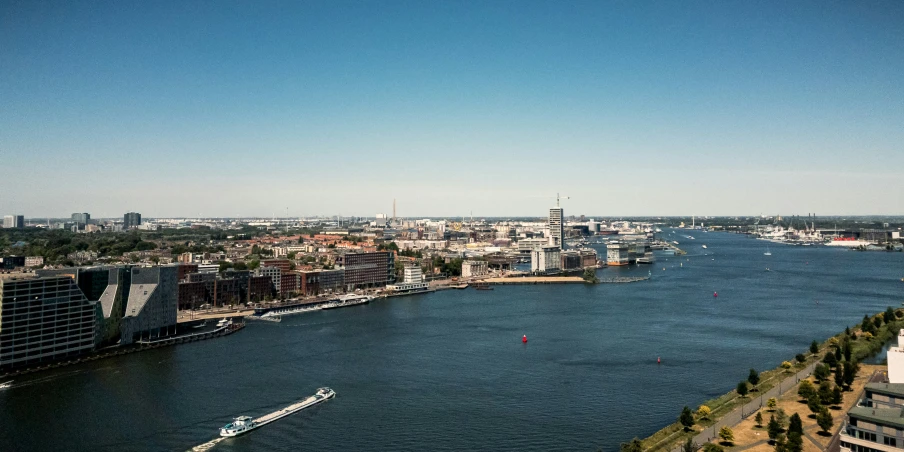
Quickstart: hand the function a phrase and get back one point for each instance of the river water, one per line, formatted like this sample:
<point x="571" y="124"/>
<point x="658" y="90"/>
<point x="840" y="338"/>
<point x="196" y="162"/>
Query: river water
<point x="448" y="371"/>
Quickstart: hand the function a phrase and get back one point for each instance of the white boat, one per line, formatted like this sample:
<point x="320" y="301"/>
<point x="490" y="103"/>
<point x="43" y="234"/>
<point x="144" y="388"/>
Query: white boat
<point x="767" y="253"/>
<point x="704" y="246"/>
<point x="348" y="300"/>
<point x="201" y="325"/>
<point x="6" y="385"/>
<point x="224" y="323"/>
<point x="244" y="424"/>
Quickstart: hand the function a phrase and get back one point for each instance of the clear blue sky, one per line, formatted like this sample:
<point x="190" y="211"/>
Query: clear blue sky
<point x="630" y="108"/>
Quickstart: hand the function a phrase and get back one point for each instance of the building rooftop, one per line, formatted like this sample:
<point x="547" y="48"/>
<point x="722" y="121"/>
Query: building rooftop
<point x="892" y="389"/>
<point x="884" y="416"/>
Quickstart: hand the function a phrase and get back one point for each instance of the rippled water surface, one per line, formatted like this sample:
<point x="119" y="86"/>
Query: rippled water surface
<point x="448" y="371"/>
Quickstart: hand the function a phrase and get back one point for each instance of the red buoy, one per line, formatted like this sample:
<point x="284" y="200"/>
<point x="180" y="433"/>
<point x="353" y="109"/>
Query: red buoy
<point x="658" y="360"/>
<point x="715" y="294"/>
<point x="524" y="339"/>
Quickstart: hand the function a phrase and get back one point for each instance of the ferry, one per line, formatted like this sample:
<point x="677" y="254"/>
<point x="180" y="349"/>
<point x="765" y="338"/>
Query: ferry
<point x="848" y="242"/>
<point x="244" y="424"/>
<point x="348" y="300"/>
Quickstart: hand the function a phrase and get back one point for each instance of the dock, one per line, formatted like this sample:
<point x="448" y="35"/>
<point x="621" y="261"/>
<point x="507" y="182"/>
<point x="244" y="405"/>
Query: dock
<point x="536" y="280"/>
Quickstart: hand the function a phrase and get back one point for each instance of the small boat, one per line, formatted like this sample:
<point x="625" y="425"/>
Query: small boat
<point x="767" y="253"/>
<point x="201" y="325"/>
<point x="6" y="385"/>
<point x="224" y="323"/>
<point x="704" y="246"/>
<point x="483" y="286"/>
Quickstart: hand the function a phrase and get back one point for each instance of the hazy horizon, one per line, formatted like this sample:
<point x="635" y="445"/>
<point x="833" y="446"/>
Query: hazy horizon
<point x="175" y="109"/>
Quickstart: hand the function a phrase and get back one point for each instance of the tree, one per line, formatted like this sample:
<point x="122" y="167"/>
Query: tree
<point x="786" y="365"/>
<point x="742" y="388"/>
<point x="703" y="412"/>
<point x="838" y="355"/>
<point x="753" y="377"/>
<point x="837" y="397"/>
<point x="839" y="375"/>
<point x="806" y="389"/>
<point x="824" y="420"/>
<point x="830" y="360"/>
<point x="710" y="447"/>
<point x="726" y="434"/>
<point x="781" y="417"/>
<point x="686" y="418"/>
<point x="821" y="372"/>
<point x="889" y="315"/>
<point x="689" y="446"/>
<point x="773" y="428"/>
<point x="825" y="393"/>
<point x="254" y="264"/>
<point x="847" y="351"/>
<point x="771" y="403"/>
<point x="632" y="446"/>
<point x="814" y="347"/>
<point x="758" y="419"/>
<point x="877" y="323"/>
<point x="800" y="357"/>
<point x="850" y="372"/>
<point x="847" y="331"/>
<point x="813" y="404"/>
<point x="795" y="442"/>
<point x="780" y="444"/>
<point x="590" y="275"/>
<point x="795" y="424"/>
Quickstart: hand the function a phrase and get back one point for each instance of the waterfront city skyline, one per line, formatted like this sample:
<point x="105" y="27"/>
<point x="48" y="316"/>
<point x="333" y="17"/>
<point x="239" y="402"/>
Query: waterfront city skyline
<point x="706" y="108"/>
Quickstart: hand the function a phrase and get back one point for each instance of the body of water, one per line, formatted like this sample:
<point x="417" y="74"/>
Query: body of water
<point x="448" y="371"/>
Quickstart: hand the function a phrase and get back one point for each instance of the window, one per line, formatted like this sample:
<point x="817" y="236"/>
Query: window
<point x="890" y="441"/>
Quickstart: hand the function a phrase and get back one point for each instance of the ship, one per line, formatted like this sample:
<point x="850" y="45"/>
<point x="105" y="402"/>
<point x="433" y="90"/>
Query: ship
<point x="245" y="424"/>
<point x="849" y="242"/>
<point x="348" y="300"/>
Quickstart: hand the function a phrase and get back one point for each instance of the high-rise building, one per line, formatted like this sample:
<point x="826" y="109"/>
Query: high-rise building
<point x="14" y="221"/>
<point x="556" y="227"/>
<point x="81" y="219"/>
<point x="44" y="319"/>
<point x="131" y="220"/>
<point x="366" y="270"/>
<point x="152" y="304"/>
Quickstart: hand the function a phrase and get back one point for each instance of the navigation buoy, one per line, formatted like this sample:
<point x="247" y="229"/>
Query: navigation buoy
<point x="715" y="294"/>
<point x="524" y="339"/>
<point x="658" y="360"/>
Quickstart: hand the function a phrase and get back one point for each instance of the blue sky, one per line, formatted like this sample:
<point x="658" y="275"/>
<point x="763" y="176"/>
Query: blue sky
<point x="630" y="108"/>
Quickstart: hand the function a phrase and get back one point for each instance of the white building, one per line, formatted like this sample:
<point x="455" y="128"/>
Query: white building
<point x="546" y="259"/>
<point x="275" y="275"/>
<point x="412" y="281"/>
<point x="896" y="361"/>
<point x="470" y="269"/>
<point x="34" y="261"/>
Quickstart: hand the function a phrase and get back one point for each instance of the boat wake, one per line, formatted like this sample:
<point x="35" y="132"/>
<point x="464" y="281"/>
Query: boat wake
<point x="206" y="446"/>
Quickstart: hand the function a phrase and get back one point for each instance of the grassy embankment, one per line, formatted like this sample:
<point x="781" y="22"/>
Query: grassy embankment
<point x="862" y="346"/>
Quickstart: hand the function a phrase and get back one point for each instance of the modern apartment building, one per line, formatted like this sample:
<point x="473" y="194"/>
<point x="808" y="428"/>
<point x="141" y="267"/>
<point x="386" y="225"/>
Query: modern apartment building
<point x="413" y="280"/>
<point x="546" y="259"/>
<point x="617" y="254"/>
<point x="44" y="319"/>
<point x="131" y="220"/>
<point x="556" y="227"/>
<point x="14" y="221"/>
<point x="367" y="270"/>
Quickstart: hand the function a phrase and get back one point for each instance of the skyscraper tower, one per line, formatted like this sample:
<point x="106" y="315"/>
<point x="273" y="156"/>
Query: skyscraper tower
<point x="556" y="225"/>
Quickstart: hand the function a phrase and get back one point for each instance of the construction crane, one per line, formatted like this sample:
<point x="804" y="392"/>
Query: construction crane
<point x="558" y="197"/>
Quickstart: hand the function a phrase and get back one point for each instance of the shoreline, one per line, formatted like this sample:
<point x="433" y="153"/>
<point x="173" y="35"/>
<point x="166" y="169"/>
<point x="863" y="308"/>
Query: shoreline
<point x="727" y="407"/>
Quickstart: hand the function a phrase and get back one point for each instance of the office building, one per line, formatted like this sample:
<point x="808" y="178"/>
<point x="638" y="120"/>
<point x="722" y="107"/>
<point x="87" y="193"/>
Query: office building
<point x="14" y="221"/>
<point x="367" y="270"/>
<point x="81" y="219"/>
<point x="545" y="260"/>
<point x="876" y="424"/>
<point x="896" y="360"/>
<point x="317" y="282"/>
<point x="152" y="304"/>
<point x="571" y="260"/>
<point x="131" y="220"/>
<point x="275" y="275"/>
<point x="283" y="265"/>
<point x="617" y="254"/>
<point x="556" y="227"/>
<point x="44" y="319"/>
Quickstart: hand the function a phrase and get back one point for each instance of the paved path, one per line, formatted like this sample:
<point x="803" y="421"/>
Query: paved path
<point x="735" y="417"/>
